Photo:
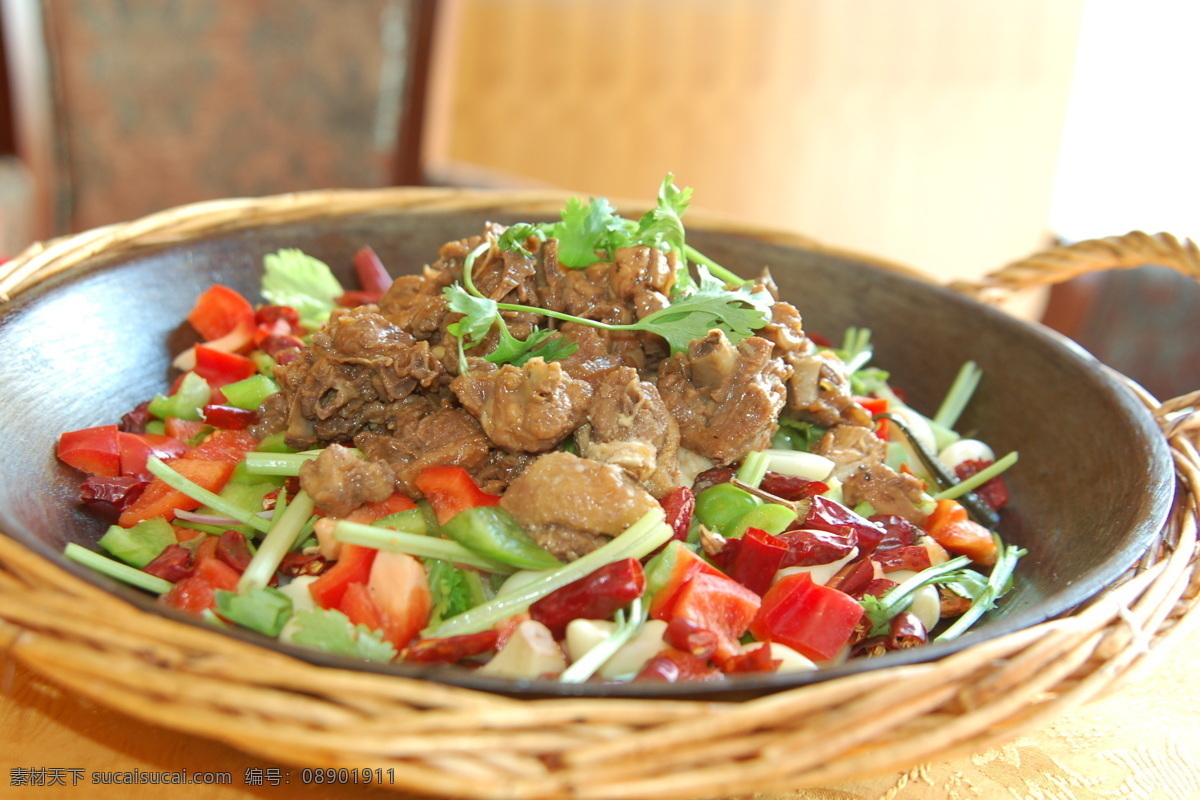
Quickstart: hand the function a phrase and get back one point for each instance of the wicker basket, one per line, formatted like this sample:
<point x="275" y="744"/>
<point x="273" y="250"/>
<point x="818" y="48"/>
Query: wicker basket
<point x="446" y="741"/>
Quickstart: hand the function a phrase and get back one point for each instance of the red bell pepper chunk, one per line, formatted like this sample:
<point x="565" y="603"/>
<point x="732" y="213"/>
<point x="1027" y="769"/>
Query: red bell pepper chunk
<point x="680" y="565"/>
<point x="876" y="405"/>
<point x="370" y="512"/>
<point x="161" y="500"/>
<point x="96" y="451"/>
<point x="451" y="649"/>
<point x="598" y="595"/>
<point x="220" y="368"/>
<point x="758" y="557"/>
<point x="718" y="604"/>
<point x="814" y="620"/>
<point x="197" y="592"/>
<point x="137" y="447"/>
<point x="353" y="566"/>
<point x="278" y="321"/>
<point x="183" y="429"/>
<point x="220" y="310"/>
<point x="400" y="589"/>
<point x="230" y="446"/>
<point x="358" y="605"/>
<point x="451" y="490"/>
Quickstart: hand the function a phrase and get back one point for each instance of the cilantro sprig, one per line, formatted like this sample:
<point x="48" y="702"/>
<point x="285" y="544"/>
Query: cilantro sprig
<point x="589" y="233"/>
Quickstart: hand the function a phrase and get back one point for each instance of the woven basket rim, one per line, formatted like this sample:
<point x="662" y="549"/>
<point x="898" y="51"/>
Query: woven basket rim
<point x="982" y="695"/>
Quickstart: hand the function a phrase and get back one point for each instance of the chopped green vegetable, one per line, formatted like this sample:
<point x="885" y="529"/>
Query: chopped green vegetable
<point x="965" y="383"/>
<point x="250" y="392"/>
<point x="998" y="584"/>
<point x="454" y="590"/>
<point x="262" y="609"/>
<point x="413" y="544"/>
<point x="293" y="278"/>
<point x="332" y="632"/>
<point x="978" y="479"/>
<point x="493" y="533"/>
<point x="753" y="468"/>
<point x="412" y="521"/>
<point x="140" y="544"/>
<point x="193" y="394"/>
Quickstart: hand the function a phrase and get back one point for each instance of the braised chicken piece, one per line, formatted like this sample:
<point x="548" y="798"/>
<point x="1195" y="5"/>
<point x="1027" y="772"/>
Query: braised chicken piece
<point x="819" y="389"/>
<point x="628" y="426"/>
<point x="850" y="447"/>
<point x="888" y="491"/>
<point x="339" y="481"/>
<point x="349" y="379"/>
<point x="526" y="409"/>
<point x="725" y="399"/>
<point x="572" y="505"/>
<point x="428" y="436"/>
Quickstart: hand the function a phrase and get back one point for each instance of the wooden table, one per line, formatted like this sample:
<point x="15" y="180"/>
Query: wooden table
<point x="1142" y="741"/>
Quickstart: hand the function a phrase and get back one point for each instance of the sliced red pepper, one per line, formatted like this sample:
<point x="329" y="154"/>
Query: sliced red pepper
<point x="220" y="310"/>
<point x="718" y="604"/>
<point x="297" y="564"/>
<point x="111" y="496"/>
<point x="597" y="595"/>
<point x="853" y="577"/>
<point x="815" y="621"/>
<point x="197" y="592"/>
<point x="451" y="490"/>
<point x="808" y="547"/>
<point x="791" y="487"/>
<point x="451" y="649"/>
<point x="137" y="447"/>
<point x="372" y="275"/>
<point x="758" y="557"/>
<point x="829" y="515"/>
<point x="353" y="566"/>
<point x="911" y="556"/>
<point x="230" y="446"/>
<point x="220" y="368"/>
<point x="96" y="451"/>
<point x="161" y="500"/>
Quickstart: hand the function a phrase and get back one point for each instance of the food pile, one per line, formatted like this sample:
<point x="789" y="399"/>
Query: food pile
<point x="575" y="451"/>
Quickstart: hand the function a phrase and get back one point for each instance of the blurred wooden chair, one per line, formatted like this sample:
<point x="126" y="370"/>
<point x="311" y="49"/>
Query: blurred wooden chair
<point x="125" y="108"/>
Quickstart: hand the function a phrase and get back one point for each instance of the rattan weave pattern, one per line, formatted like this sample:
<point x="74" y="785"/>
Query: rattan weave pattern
<point x="452" y="742"/>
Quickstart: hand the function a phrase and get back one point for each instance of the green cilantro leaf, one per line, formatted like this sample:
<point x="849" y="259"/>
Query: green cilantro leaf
<point x="332" y="632"/>
<point x="586" y="229"/>
<point x="541" y="343"/>
<point x="737" y="313"/>
<point x="662" y="226"/>
<point x="292" y="278"/>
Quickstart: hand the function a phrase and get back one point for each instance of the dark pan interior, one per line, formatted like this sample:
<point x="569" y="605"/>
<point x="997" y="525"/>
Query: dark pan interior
<point x="1091" y="490"/>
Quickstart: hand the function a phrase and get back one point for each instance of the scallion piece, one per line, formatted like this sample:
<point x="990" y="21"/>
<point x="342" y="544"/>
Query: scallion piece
<point x="997" y="585"/>
<point x="978" y="479"/>
<point x="117" y="570"/>
<point x="959" y="395"/>
<point x="210" y="499"/>
<point x="753" y="468"/>
<point x="287" y="464"/>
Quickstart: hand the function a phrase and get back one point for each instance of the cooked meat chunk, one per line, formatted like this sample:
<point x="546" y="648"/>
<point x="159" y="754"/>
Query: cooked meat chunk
<point x="849" y="447"/>
<point x="785" y="330"/>
<point x="599" y="351"/>
<point x="819" y="389"/>
<point x="415" y="302"/>
<point x="500" y="470"/>
<point x="629" y="426"/>
<point x="527" y="409"/>
<point x="888" y="491"/>
<point x="357" y="368"/>
<point x="429" y="437"/>
<point x="339" y="481"/>
<point x="572" y="505"/>
<point x="725" y="399"/>
<point x="643" y="276"/>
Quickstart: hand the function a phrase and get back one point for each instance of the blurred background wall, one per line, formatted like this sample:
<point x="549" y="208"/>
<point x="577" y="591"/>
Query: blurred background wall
<point x="949" y="135"/>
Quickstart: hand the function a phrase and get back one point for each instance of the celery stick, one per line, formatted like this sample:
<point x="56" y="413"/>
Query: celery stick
<point x="210" y="499"/>
<point x="258" y="463"/>
<point x="753" y="468"/>
<point x="638" y="540"/>
<point x="115" y="569"/>
<point x="978" y="479"/>
<point x="627" y="628"/>
<point x="414" y="544"/>
<point x="959" y="395"/>
<point x="285" y="530"/>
